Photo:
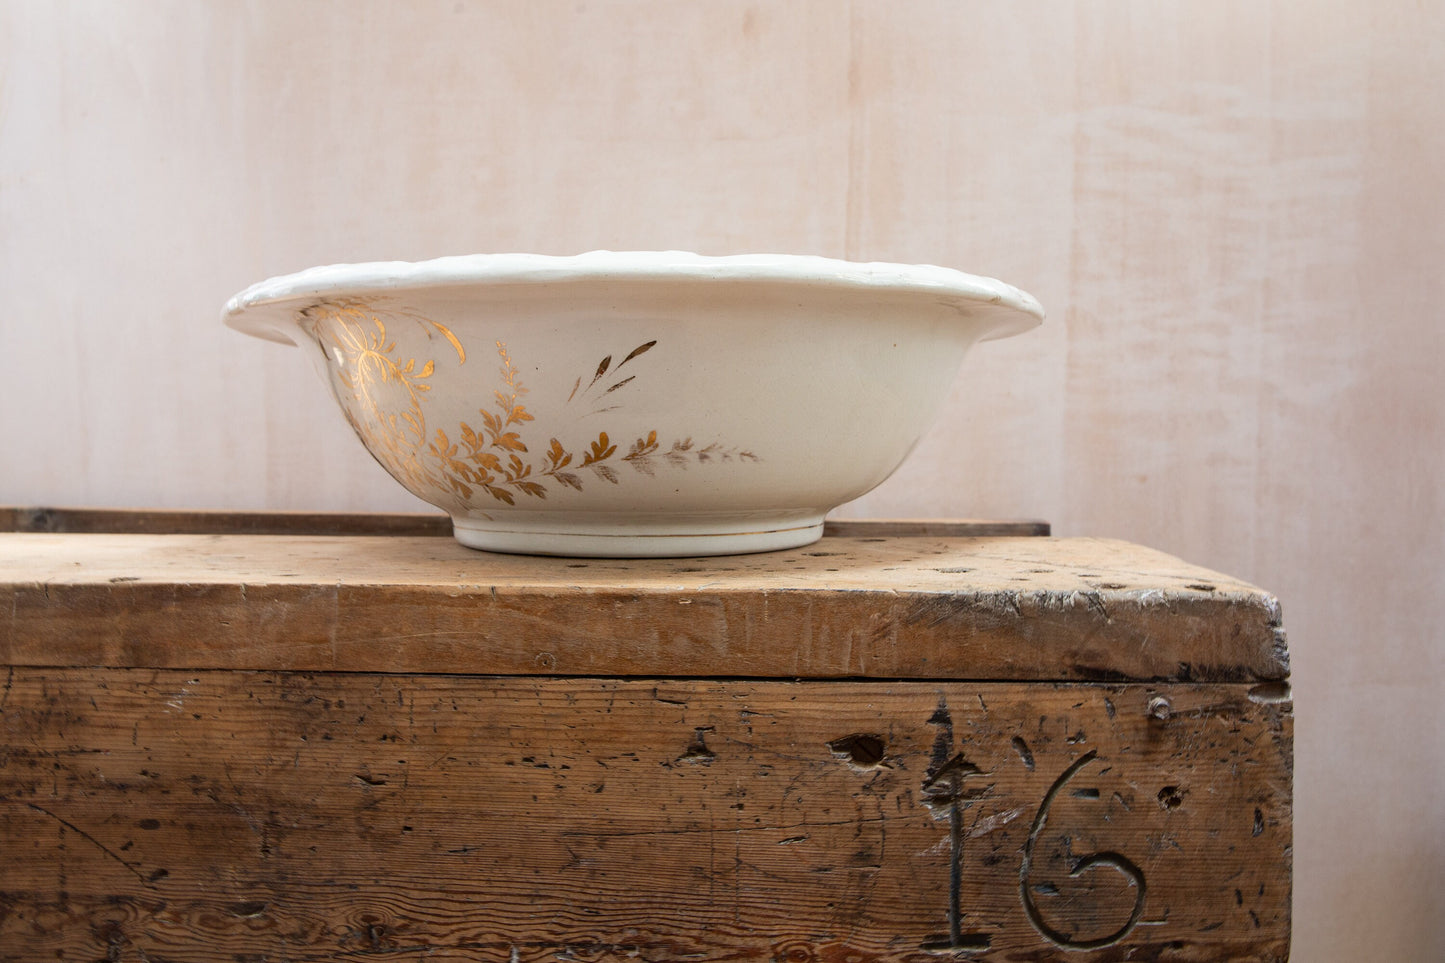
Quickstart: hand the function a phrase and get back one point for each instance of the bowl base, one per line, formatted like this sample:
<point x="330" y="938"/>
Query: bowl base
<point x="719" y="537"/>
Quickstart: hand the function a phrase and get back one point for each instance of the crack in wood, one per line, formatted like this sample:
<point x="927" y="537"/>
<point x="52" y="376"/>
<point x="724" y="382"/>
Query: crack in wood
<point x="131" y="867"/>
<point x="707" y="830"/>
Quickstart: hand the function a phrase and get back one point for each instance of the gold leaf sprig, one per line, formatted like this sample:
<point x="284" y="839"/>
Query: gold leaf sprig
<point x="494" y="457"/>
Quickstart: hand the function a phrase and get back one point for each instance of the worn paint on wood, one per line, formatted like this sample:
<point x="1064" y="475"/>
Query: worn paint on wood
<point x="193" y="816"/>
<point x="1022" y="608"/>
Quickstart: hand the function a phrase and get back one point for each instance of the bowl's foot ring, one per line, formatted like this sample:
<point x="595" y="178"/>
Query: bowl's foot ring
<point x="685" y="542"/>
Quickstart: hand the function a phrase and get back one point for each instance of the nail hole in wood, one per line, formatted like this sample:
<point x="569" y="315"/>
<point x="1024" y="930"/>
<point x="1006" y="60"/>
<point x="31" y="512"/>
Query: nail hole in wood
<point x="1025" y="754"/>
<point x="864" y="750"/>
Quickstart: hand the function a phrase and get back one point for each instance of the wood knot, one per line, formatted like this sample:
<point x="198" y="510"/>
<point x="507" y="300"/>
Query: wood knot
<point x="794" y="951"/>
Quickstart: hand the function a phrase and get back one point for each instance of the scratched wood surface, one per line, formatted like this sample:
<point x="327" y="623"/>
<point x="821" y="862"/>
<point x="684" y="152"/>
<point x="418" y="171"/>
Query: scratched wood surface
<point x="191" y="816"/>
<point x="1024" y="608"/>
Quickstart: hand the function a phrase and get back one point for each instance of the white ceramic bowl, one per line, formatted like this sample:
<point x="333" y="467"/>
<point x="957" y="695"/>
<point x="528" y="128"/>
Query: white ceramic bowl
<point x="635" y="404"/>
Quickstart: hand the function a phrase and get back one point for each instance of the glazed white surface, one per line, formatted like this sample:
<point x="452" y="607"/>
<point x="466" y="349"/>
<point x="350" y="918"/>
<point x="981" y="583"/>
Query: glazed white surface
<point x="374" y="277"/>
<point x="760" y="391"/>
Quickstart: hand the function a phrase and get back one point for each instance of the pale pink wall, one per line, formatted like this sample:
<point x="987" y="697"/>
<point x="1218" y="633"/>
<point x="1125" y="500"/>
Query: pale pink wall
<point x="1234" y="211"/>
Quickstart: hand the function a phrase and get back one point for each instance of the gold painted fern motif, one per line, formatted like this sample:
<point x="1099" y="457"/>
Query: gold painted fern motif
<point x="386" y="408"/>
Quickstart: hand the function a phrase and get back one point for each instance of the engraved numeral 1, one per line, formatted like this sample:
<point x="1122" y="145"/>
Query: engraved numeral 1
<point x="943" y="792"/>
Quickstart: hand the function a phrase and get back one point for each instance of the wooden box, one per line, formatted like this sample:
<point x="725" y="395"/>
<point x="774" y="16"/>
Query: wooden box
<point x="903" y="743"/>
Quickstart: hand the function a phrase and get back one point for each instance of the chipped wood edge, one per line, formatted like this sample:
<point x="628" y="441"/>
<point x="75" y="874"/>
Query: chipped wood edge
<point x="787" y="634"/>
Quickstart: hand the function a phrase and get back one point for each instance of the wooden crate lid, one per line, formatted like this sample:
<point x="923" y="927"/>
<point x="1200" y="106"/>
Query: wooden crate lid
<point x="113" y="521"/>
<point x="861" y="603"/>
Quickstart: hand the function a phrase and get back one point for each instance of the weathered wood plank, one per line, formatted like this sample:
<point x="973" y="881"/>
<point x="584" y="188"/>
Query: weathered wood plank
<point x="193" y="816"/>
<point x="955" y="608"/>
<point x="934" y="528"/>
<point x="114" y="521"/>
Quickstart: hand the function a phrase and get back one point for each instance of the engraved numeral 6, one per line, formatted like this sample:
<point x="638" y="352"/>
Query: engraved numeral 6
<point x="1081" y="865"/>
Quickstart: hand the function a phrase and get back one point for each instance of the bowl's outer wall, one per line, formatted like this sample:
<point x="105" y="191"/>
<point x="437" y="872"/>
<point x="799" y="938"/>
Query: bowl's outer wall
<point x="724" y="400"/>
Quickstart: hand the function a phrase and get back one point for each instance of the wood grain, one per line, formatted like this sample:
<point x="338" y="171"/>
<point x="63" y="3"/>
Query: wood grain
<point x="925" y="608"/>
<point x="192" y="816"/>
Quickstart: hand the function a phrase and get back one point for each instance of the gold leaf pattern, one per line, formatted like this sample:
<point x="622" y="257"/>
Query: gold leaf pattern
<point x="383" y="397"/>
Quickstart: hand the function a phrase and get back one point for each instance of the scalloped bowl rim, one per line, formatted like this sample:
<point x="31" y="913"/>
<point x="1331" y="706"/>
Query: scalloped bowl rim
<point x="245" y="311"/>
